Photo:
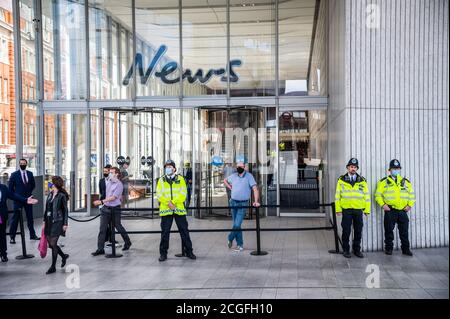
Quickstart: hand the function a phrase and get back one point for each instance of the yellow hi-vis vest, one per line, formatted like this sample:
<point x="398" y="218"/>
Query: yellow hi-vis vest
<point x="171" y="190"/>
<point x="352" y="197"/>
<point x="398" y="194"/>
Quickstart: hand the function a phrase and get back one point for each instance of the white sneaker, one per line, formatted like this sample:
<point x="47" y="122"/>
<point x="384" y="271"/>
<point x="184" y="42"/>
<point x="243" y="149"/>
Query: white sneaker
<point x="239" y="248"/>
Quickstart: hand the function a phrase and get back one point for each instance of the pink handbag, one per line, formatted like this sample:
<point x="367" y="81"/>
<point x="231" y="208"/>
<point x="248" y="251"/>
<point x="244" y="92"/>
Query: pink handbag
<point x="43" y="245"/>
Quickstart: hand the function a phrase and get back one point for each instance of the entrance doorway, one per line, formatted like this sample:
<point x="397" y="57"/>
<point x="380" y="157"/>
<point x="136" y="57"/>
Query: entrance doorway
<point x="227" y="135"/>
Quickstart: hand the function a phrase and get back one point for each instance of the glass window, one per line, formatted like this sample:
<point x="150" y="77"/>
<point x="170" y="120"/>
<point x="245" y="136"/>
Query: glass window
<point x="296" y="23"/>
<point x="204" y="47"/>
<point x="68" y="49"/>
<point x="106" y="51"/>
<point x="252" y="41"/>
<point x="157" y="27"/>
<point x="28" y="44"/>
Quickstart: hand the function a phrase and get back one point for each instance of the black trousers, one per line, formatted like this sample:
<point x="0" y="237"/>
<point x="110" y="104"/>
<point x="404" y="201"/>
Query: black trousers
<point x="350" y="216"/>
<point x="182" y="224"/>
<point x="15" y="221"/>
<point x="3" y="246"/>
<point x="105" y="219"/>
<point x="400" y="218"/>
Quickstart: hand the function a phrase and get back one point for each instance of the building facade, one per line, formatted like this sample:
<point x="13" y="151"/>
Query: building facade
<point x="293" y="87"/>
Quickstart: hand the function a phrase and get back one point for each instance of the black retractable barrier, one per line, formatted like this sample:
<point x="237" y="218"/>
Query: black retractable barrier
<point x="258" y="229"/>
<point x="24" y="255"/>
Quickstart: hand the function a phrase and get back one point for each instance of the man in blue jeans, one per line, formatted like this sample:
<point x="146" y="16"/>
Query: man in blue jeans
<point x="241" y="185"/>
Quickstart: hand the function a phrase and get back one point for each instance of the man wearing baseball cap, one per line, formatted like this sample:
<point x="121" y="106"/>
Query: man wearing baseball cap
<point x="352" y="200"/>
<point x="396" y="197"/>
<point x="171" y="193"/>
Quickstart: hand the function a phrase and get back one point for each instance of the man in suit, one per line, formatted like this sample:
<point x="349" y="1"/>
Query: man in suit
<point x="22" y="182"/>
<point x="5" y="193"/>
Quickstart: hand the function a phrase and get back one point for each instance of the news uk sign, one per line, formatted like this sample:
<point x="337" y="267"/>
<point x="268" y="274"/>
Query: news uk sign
<point x="166" y="73"/>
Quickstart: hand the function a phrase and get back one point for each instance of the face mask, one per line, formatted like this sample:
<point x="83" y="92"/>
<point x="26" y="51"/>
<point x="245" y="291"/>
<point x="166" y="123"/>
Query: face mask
<point x="395" y="172"/>
<point x="23" y="167"/>
<point x="168" y="171"/>
<point x="106" y="175"/>
<point x="240" y="170"/>
<point x="112" y="177"/>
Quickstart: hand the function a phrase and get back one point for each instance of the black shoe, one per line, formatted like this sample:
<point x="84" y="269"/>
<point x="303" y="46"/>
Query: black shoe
<point x="35" y="238"/>
<point x="4" y="259"/>
<point x="191" y="256"/>
<point x="51" y="270"/>
<point x="388" y="251"/>
<point x="126" y="246"/>
<point x="98" y="252"/>
<point x="162" y="258"/>
<point x="63" y="262"/>
<point x="347" y="254"/>
<point x="12" y="241"/>
<point x="407" y="253"/>
<point x="358" y="254"/>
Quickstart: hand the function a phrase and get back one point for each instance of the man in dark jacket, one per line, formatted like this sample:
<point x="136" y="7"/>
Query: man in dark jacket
<point x="22" y="182"/>
<point x="5" y="194"/>
<point x="102" y="191"/>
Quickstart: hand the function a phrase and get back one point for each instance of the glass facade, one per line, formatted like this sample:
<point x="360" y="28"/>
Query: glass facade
<point x="189" y="80"/>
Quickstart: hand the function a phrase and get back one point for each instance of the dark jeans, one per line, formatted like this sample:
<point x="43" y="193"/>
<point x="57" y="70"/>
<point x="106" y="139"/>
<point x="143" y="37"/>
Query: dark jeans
<point x="3" y="246"/>
<point x="15" y="221"/>
<point x="350" y="216"/>
<point x="182" y="224"/>
<point x="400" y="218"/>
<point x="105" y="219"/>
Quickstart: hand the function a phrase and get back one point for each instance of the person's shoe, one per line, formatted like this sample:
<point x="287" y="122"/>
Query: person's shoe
<point x="229" y="244"/>
<point x="358" y="254"/>
<point x="35" y="238"/>
<point x="162" y="258"/>
<point x="126" y="246"/>
<point x="407" y="253"/>
<point x="4" y="259"/>
<point x="347" y="254"/>
<point x="12" y="241"/>
<point x="191" y="256"/>
<point x="51" y="270"/>
<point x="98" y="252"/>
<point x="239" y="248"/>
<point x="63" y="262"/>
<point x="388" y="251"/>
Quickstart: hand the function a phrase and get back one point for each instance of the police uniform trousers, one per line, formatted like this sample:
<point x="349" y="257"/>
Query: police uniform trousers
<point x="399" y="217"/>
<point x="182" y="224"/>
<point x="349" y="217"/>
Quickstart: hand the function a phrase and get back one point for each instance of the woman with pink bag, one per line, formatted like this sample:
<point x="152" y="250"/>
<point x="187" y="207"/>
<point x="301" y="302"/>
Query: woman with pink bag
<point x="55" y="220"/>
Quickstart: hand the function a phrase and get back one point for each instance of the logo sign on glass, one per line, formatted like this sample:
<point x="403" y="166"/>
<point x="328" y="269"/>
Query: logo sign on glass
<point x="167" y="70"/>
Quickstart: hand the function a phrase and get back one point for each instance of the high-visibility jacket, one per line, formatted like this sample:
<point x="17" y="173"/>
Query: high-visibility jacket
<point x="395" y="193"/>
<point x="352" y="197"/>
<point x="174" y="190"/>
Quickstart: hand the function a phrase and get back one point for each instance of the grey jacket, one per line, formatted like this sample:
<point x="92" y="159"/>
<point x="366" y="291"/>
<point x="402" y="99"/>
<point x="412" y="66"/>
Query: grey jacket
<point x="60" y="210"/>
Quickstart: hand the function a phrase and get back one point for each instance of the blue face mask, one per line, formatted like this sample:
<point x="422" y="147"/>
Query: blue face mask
<point x="168" y="171"/>
<point x="395" y="172"/>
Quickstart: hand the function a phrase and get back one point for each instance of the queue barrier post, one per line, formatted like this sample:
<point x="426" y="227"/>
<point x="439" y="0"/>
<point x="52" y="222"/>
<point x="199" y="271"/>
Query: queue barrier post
<point x="113" y="235"/>
<point x="22" y="238"/>
<point x="258" y="251"/>
<point x="335" y="231"/>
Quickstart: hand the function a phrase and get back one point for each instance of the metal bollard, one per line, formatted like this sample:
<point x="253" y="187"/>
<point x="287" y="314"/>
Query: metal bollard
<point x="113" y="236"/>
<point x="336" y="236"/>
<point x="22" y="238"/>
<point x="258" y="251"/>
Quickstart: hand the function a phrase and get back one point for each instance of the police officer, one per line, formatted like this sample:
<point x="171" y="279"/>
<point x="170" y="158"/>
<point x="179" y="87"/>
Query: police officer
<point x="395" y="195"/>
<point x="171" y="193"/>
<point x="352" y="200"/>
